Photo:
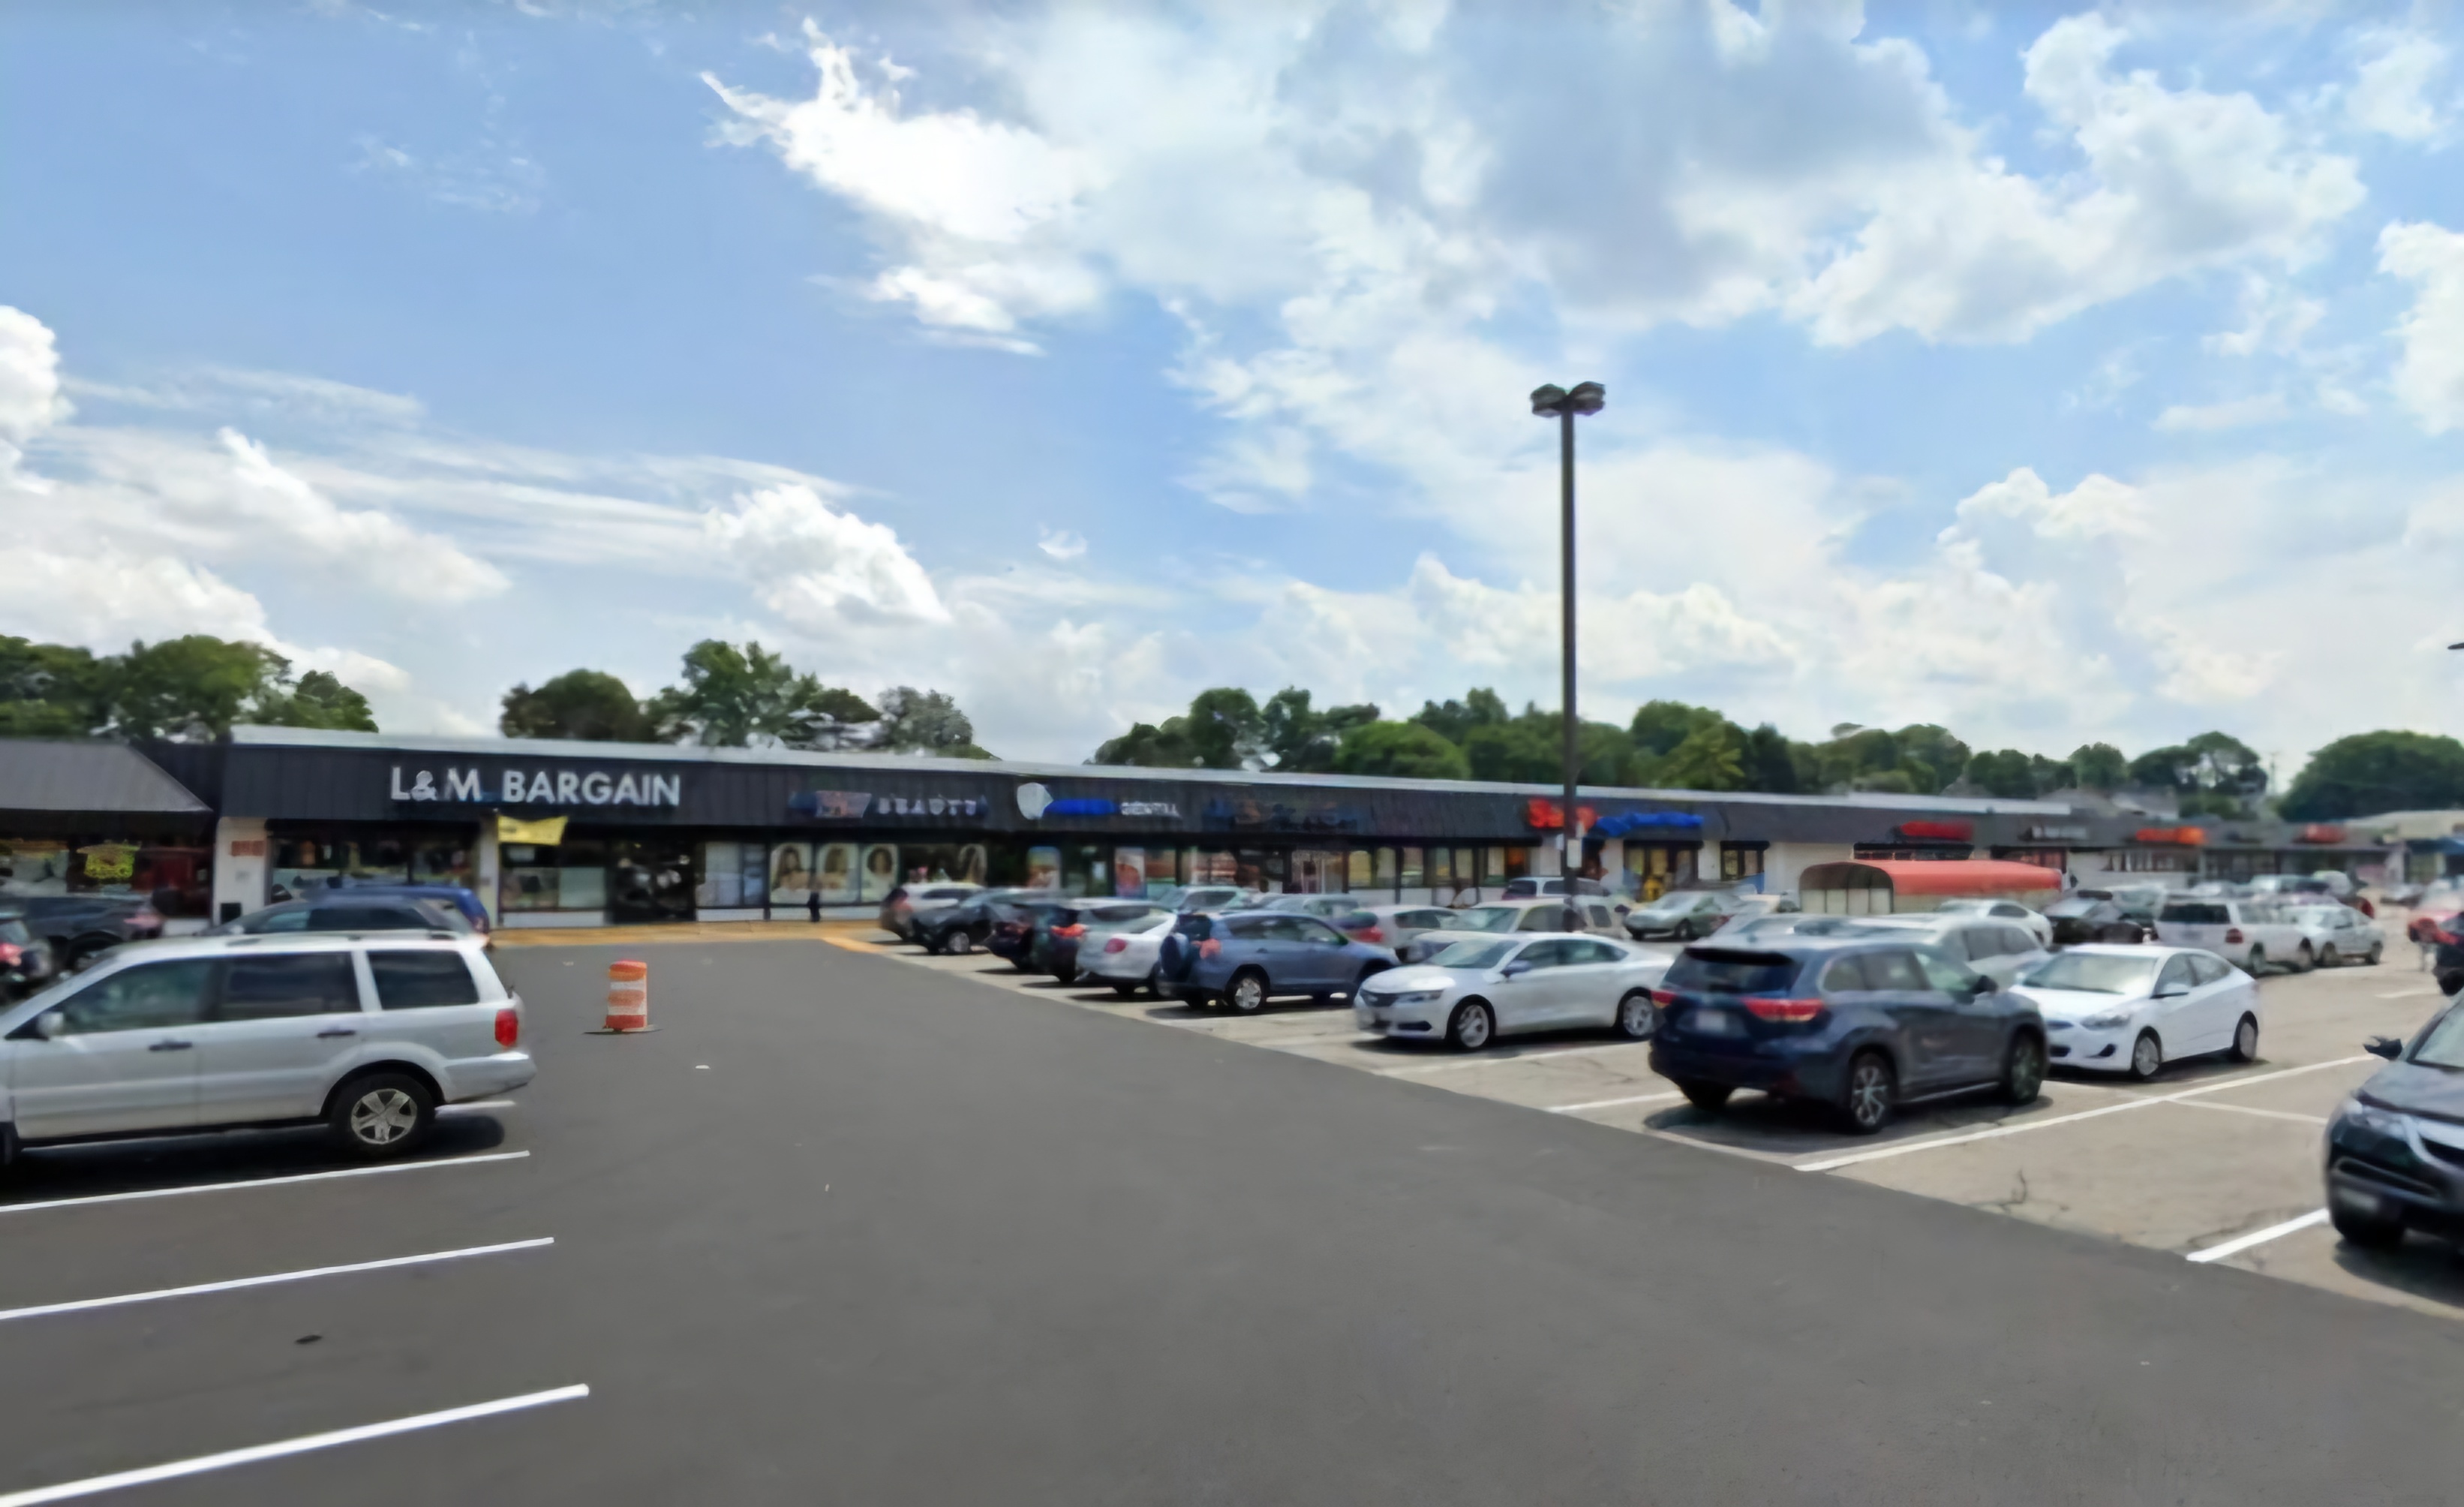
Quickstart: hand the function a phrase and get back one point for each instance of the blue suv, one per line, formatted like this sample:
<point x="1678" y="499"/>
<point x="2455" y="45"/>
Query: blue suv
<point x="1860" y="1022"/>
<point x="1247" y="958"/>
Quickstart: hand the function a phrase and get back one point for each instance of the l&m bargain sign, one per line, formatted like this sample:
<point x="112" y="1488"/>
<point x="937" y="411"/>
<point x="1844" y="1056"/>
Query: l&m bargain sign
<point x="539" y="787"/>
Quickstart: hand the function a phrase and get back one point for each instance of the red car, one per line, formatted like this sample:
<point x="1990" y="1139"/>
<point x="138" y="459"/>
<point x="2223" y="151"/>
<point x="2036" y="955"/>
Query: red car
<point x="2433" y="920"/>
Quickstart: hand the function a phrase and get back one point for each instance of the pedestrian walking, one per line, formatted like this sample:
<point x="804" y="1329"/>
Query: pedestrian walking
<point x="813" y="905"/>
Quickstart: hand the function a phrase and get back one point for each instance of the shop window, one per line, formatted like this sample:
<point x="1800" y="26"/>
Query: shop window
<point x="1043" y="868"/>
<point x="1492" y="866"/>
<point x="1129" y="878"/>
<point x="943" y="863"/>
<point x="722" y="877"/>
<point x="1410" y="871"/>
<point x="1518" y="862"/>
<point x="1740" y="862"/>
<point x="1364" y="869"/>
<point x="1259" y="869"/>
<point x="569" y="877"/>
<point x="1163" y="866"/>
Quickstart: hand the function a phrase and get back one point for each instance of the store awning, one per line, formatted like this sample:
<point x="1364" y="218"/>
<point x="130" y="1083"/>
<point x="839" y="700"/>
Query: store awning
<point x="1946" y="880"/>
<point x="38" y="775"/>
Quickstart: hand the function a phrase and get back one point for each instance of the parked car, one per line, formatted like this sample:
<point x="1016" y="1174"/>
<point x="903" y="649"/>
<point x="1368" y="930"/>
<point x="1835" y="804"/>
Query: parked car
<point x="2339" y="934"/>
<point x="2001" y="950"/>
<point x="1531" y="888"/>
<point x="2435" y="915"/>
<point x="80" y="927"/>
<point x="1014" y="923"/>
<point x="2133" y="1009"/>
<point x="2086" y="916"/>
<point x="2395" y="1149"/>
<point x="1753" y="907"/>
<point x="211" y="1032"/>
<point x="900" y="906"/>
<point x="1053" y="946"/>
<point x="25" y="960"/>
<point x="1342" y="912"/>
<point x="2032" y="922"/>
<point x="1215" y="898"/>
<point x="2141" y="902"/>
<point x="1682" y="913"/>
<point x="1481" y="988"/>
<point x="1862" y="1022"/>
<point x="463" y="901"/>
<point x="2249" y="934"/>
<point x="348" y="910"/>
<point x="1124" y="957"/>
<point x="1418" y="932"/>
<point x="969" y="924"/>
<point x="1247" y="958"/>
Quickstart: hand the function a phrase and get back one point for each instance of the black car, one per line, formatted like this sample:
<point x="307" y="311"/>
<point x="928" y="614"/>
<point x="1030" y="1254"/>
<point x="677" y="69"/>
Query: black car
<point x="2085" y="916"/>
<point x="978" y="922"/>
<point x="79" y="927"/>
<point x="1053" y="945"/>
<point x="25" y="960"/>
<point x="1860" y="1023"/>
<point x="901" y="906"/>
<point x="2395" y="1150"/>
<point x="348" y="910"/>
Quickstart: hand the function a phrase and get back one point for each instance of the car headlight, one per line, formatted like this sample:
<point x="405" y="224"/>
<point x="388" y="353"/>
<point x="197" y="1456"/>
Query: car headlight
<point x="2110" y="1020"/>
<point x="1415" y="997"/>
<point x="2357" y="1115"/>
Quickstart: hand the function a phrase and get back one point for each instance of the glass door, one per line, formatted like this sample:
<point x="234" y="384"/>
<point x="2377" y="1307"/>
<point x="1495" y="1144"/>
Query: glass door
<point x="651" y="882"/>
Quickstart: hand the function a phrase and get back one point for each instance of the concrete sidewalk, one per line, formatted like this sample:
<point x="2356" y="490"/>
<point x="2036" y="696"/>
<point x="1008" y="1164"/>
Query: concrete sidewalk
<point x="841" y="932"/>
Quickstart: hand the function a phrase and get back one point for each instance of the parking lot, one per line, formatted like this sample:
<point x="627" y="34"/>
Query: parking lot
<point x="2214" y="1161"/>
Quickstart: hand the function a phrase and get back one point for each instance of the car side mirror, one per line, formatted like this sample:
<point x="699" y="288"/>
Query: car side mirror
<point x="2387" y="1047"/>
<point x="1516" y="969"/>
<point x="50" y="1025"/>
<point x="1982" y="986"/>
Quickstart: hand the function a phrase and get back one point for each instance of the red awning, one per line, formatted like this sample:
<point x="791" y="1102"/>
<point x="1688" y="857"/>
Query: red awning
<point x="1916" y="876"/>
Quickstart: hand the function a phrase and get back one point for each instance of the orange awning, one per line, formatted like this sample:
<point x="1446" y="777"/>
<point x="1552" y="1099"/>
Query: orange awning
<point x="1970" y="876"/>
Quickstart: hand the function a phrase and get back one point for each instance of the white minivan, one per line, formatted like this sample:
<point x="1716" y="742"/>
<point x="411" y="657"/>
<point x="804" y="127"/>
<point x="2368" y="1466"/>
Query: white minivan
<point x="2247" y="934"/>
<point x="367" y="1033"/>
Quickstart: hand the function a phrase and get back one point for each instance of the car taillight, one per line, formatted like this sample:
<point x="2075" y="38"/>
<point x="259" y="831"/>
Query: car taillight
<point x="1664" y="997"/>
<point x="2233" y="933"/>
<point x="509" y="1028"/>
<point x="1209" y="947"/>
<point x="1069" y="931"/>
<point x="1764" y="1008"/>
<point x="10" y="954"/>
<point x="1369" y="934"/>
<point x="1116" y="944"/>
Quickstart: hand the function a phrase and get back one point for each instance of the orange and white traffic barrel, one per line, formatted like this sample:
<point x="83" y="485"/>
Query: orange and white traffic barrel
<point x="628" y="997"/>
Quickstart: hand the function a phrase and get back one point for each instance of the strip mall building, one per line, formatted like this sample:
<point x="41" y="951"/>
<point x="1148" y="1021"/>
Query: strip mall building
<point x="584" y="835"/>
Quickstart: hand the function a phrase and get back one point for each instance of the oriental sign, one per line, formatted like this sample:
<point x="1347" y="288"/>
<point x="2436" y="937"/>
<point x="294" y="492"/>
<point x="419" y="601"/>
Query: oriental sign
<point x="542" y="787"/>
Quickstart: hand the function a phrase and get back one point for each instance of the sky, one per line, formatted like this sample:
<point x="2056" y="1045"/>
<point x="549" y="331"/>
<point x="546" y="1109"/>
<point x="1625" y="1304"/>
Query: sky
<point x="2056" y="375"/>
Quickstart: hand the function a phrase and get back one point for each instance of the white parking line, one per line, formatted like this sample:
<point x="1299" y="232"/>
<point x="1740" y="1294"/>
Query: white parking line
<point x="1611" y="1104"/>
<point x="1494" y="1059"/>
<point x="94" y="1485"/>
<point x="260" y="1182"/>
<point x="2257" y="1237"/>
<point x="474" y="1105"/>
<point x="83" y="1304"/>
<point x="2245" y="1109"/>
<point x="1833" y="1163"/>
<point x="2408" y="994"/>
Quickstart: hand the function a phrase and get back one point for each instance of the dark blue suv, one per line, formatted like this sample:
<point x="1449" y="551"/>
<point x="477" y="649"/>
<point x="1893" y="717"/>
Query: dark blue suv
<point x="1852" y="1019"/>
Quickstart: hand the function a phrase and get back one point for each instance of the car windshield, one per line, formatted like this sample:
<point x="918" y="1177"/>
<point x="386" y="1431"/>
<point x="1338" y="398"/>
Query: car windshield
<point x="1490" y="918"/>
<point x="1473" y="954"/>
<point x="2076" y="905"/>
<point x="1723" y="972"/>
<point x="2093" y="972"/>
<point x="2442" y="1045"/>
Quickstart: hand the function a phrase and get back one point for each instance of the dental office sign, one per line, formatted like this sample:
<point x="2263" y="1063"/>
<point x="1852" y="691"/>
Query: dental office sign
<point x="539" y="787"/>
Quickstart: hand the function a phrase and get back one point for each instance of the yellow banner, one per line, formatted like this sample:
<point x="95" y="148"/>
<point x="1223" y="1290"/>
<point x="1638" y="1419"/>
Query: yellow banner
<point x="547" y="832"/>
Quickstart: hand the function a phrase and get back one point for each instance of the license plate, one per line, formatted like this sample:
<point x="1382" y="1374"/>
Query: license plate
<point x="1714" y="1022"/>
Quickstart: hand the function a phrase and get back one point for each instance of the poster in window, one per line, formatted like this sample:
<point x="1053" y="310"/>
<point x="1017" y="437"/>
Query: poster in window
<point x="34" y="868"/>
<point x="835" y="873"/>
<point x="1044" y="868"/>
<point x="791" y="872"/>
<point x="880" y="872"/>
<point x="1130" y="873"/>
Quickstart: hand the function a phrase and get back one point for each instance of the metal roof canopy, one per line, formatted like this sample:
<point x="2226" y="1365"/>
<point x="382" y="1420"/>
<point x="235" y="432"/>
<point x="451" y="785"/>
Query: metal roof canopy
<point x="103" y="778"/>
<point x="1946" y="879"/>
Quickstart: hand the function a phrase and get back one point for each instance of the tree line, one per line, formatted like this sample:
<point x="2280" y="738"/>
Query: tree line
<point x="739" y="698"/>
<point x="191" y="689"/>
<point x="1672" y="746"/>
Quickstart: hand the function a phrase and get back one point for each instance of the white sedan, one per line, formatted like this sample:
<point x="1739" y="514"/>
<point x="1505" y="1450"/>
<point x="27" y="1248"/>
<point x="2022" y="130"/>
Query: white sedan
<point x="2339" y="934"/>
<point x="1125" y="957"/>
<point x="2011" y="911"/>
<point x="2111" y="1009"/>
<point x="1484" y="987"/>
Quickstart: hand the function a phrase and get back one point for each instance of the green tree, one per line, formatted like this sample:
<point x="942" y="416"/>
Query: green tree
<point x="318" y="701"/>
<point x="51" y="691"/>
<point x="1406" y="750"/>
<point x="1770" y="761"/>
<point x="1454" y="720"/>
<point x="1660" y="726"/>
<point x="1710" y="757"/>
<point x="924" y="722"/>
<point x="1226" y="730"/>
<point x="749" y="698"/>
<point x="192" y="688"/>
<point x="1933" y="757"/>
<point x="2099" y="766"/>
<point x="1148" y="746"/>
<point x="1300" y="739"/>
<point x="2383" y="771"/>
<point x="2005" y="772"/>
<point x="590" y="705"/>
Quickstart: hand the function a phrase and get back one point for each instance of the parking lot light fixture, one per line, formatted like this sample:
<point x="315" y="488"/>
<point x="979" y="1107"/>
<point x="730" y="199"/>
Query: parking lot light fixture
<point x="1558" y="402"/>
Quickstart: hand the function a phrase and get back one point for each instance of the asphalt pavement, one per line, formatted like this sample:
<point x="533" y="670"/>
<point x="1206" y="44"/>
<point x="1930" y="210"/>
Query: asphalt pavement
<point x="844" y="1230"/>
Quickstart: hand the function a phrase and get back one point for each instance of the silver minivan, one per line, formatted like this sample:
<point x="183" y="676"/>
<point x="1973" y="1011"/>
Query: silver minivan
<point x="366" y="1034"/>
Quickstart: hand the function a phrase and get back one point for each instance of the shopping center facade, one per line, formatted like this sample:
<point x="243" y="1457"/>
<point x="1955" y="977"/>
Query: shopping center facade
<point x="554" y="833"/>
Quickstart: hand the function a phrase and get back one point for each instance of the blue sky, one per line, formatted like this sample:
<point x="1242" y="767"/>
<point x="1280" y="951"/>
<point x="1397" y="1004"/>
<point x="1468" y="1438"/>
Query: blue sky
<point x="2054" y="374"/>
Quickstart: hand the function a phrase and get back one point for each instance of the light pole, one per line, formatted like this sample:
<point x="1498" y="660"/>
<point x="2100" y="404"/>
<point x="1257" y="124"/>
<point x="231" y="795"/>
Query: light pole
<point x="1555" y="402"/>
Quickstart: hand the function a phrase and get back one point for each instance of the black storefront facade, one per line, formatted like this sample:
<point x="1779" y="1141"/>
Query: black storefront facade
<point x="561" y="834"/>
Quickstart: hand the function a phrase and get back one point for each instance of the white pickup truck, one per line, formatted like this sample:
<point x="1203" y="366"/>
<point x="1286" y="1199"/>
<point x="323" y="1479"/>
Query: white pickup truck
<point x="2249" y="934"/>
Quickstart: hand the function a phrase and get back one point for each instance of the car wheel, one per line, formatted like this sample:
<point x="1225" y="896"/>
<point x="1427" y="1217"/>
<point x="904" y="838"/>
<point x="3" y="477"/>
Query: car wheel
<point x="2305" y="960"/>
<point x="1068" y="974"/>
<point x="2365" y="1230"/>
<point x="1472" y="1027"/>
<point x="1685" y="931"/>
<point x="2146" y="1056"/>
<point x="2377" y="951"/>
<point x="2256" y="963"/>
<point x="1125" y="991"/>
<point x="1703" y="1096"/>
<point x="1247" y="993"/>
<point x="1872" y="1086"/>
<point x="2245" y="1043"/>
<point x="1638" y="1018"/>
<point x="959" y="944"/>
<point x="381" y="1115"/>
<point x="930" y="944"/>
<point x="2328" y="957"/>
<point x="2023" y="1071"/>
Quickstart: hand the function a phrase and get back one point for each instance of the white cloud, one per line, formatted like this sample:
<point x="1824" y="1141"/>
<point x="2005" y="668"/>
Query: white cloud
<point x="2234" y="413"/>
<point x="1059" y="543"/>
<point x="2274" y="318"/>
<point x="30" y="385"/>
<point x="2390" y="86"/>
<point x="2429" y="378"/>
<point x="818" y="568"/>
<point x="286" y="511"/>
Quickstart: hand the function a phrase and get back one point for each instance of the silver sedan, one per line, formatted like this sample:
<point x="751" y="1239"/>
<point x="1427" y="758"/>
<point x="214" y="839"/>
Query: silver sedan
<point x="1482" y="987"/>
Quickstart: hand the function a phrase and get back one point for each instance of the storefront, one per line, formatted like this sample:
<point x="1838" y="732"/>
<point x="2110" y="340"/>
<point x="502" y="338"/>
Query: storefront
<point x="585" y="834"/>
<point x="80" y="818"/>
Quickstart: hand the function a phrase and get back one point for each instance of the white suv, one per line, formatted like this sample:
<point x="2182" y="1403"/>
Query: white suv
<point x="367" y="1033"/>
<point x="2247" y="934"/>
